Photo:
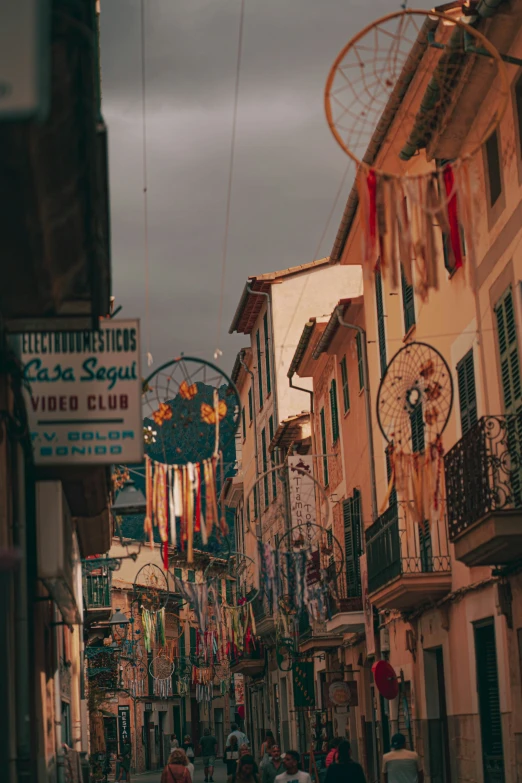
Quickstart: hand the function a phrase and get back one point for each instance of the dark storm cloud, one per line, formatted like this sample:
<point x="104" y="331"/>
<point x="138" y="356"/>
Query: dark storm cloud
<point x="287" y="166"/>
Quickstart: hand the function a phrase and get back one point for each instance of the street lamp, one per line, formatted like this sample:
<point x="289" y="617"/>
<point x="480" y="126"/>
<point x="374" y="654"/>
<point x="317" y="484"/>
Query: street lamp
<point x="119" y="623"/>
<point x="129" y="500"/>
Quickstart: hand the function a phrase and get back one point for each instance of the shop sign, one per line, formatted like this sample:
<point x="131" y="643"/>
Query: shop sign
<point x="239" y="689"/>
<point x="83" y="395"/>
<point x="341" y="694"/>
<point x="302" y="490"/>
<point x="124" y="724"/>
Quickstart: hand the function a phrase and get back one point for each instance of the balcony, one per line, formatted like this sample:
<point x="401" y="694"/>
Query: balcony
<point x="96" y="592"/>
<point x="484" y="492"/>
<point x="250" y="663"/>
<point x="407" y="566"/>
<point x="263" y="615"/>
<point x="346" y="610"/>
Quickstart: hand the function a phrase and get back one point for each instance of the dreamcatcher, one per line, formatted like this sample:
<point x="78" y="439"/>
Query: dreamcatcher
<point x="152" y="594"/>
<point x="133" y="677"/>
<point x="414" y="404"/>
<point x="161" y="670"/>
<point x="193" y="410"/>
<point x="407" y="68"/>
<point x="203" y="681"/>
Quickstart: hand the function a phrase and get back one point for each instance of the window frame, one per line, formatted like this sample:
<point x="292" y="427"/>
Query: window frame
<point x="267" y="356"/>
<point x="334" y="411"/>
<point x="259" y="368"/>
<point x="468" y="407"/>
<point x="381" y="331"/>
<point x="322" y="418"/>
<point x="360" y="359"/>
<point x="346" y="387"/>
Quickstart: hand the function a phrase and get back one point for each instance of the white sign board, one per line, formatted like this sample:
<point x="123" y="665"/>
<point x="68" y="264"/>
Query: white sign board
<point x="302" y="490"/>
<point x="84" y="404"/>
<point x="25" y="37"/>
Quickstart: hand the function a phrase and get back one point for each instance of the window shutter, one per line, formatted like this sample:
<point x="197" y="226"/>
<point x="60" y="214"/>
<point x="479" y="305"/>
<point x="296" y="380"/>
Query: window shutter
<point x="467" y="392"/>
<point x="259" y="368"/>
<point x="265" y="466"/>
<point x="352" y="543"/>
<point x="493" y="165"/>
<point x="489" y="697"/>
<point x="334" y="411"/>
<point x="243" y="421"/>
<point x="191" y="576"/>
<point x="267" y="355"/>
<point x="360" y="362"/>
<point x="381" y="334"/>
<point x="250" y="404"/>
<point x="408" y="303"/>
<point x="508" y="350"/>
<point x="192" y="641"/>
<point x="274" y="477"/>
<point x="417" y="429"/>
<point x="393" y="493"/>
<point x="324" y="448"/>
<point x="346" y="389"/>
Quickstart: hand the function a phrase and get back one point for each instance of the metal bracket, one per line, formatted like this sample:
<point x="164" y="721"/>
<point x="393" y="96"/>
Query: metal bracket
<point x="469" y="48"/>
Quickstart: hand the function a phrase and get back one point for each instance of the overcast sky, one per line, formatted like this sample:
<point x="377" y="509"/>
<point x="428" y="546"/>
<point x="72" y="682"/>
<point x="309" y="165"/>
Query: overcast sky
<point x="287" y="166"/>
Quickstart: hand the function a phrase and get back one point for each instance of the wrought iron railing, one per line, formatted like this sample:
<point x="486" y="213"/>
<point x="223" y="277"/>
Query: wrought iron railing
<point x="340" y="597"/>
<point x="483" y="471"/>
<point x="97" y="590"/>
<point x="397" y="546"/>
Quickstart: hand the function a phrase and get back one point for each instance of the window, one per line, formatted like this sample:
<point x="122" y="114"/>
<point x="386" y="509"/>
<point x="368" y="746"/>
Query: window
<point x="489" y="697"/>
<point x="508" y="352"/>
<point x="178" y="573"/>
<point x="191" y="576"/>
<point x="274" y="477"/>
<point x="408" y="303"/>
<point x="228" y="592"/>
<point x="417" y="429"/>
<point x="243" y="422"/>
<point x="193" y="641"/>
<point x="467" y="392"/>
<point x="250" y="405"/>
<point x="334" y="413"/>
<point x="393" y="493"/>
<point x="493" y="166"/>
<point x="425" y="548"/>
<point x="248" y="510"/>
<point x="259" y="368"/>
<point x="267" y="356"/>
<point x="66" y="724"/>
<point x="346" y="389"/>
<point x="518" y="109"/>
<point x="265" y="465"/>
<point x="352" y="517"/>
<point x="256" y="506"/>
<point x="360" y="359"/>
<point x="381" y="334"/>
<point x="324" y="448"/>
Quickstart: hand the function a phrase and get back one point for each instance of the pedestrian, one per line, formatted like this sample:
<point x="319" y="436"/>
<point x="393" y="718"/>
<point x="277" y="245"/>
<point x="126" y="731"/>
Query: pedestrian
<point x="173" y="742"/>
<point x="176" y="770"/>
<point x="125" y="763"/>
<point x="401" y="765"/>
<point x="246" y="771"/>
<point x="244" y="750"/>
<point x="332" y="752"/>
<point x="188" y="747"/>
<point x="268" y="743"/>
<point x="231" y="757"/>
<point x="241" y="737"/>
<point x="208" y="751"/>
<point x="292" y="773"/>
<point x="344" y="769"/>
<point x="273" y="767"/>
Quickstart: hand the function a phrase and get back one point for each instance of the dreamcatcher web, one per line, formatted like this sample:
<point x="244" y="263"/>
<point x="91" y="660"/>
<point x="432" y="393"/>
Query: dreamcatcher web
<point x="161" y="670"/>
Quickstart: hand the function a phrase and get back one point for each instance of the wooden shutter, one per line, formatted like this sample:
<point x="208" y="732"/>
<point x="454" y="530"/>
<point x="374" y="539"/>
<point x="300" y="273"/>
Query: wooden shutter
<point x="267" y="355"/>
<point x="467" y="392"/>
<point x="243" y="421"/>
<point x="346" y="388"/>
<point x="493" y="165"/>
<point x="259" y="368"/>
<point x="274" y="477"/>
<point x="408" y="303"/>
<point x="360" y="362"/>
<point x="192" y="641"/>
<point x="250" y="404"/>
<point x="334" y="413"/>
<point x="324" y="448"/>
<point x="265" y="465"/>
<point x="381" y="334"/>
<point x="393" y="493"/>
<point x="417" y="429"/>
<point x="489" y="701"/>
<point x="352" y="543"/>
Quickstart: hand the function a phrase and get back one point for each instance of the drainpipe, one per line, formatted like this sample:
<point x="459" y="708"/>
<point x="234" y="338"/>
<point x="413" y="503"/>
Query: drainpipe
<point x="254" y="419"/>
<point x="369" y="427"/>
<point x="301" y="388"/>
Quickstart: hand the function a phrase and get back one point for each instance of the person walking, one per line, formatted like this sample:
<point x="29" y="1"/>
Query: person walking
<point x="208" y="750"/>
<point x="273" y="767"/>
<point x="268" y="743"/>
<point x="332" y="752"/>
<point x="344" y="769"/>
<point x="231" y="757"/>
<point x="246" y="771"/>
<point x="176" y="771"/>
<point x="292" y="773"/>
<point x="188" y="747"/>
<point x="401" y="765"/>
<point x="173" y="742"/>
<point x="242" y="738"/>
<point x="125" y="763"/>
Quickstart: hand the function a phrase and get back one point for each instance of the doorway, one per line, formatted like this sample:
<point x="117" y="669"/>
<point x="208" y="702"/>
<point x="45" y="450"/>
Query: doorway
<point x="146" y="737"/>
<point x="176" y="722"/>
<point x="219" y="730"/>
<point x="489" y="702"/>
<point x="437" y="716"/>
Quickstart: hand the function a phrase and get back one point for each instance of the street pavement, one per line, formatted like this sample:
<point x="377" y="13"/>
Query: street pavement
<point x="220" y="774"/>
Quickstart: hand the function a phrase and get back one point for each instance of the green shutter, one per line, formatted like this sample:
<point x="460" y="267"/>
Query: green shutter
<point x="489" y="699"/>
<point x="417" y="429"/>
<point x="381" y="334"/>
<point x="324" y="448"/>
<point x="256" y="507"/>
<point x="360" y="359"/>
<point x="467" y="392"/>
<point x="192" y="641"/>
<point x="250" y="405"/>
<point x="265" y="466"/>
<point x="228" y="592"/>
<point x="334" y="413"/>
<point x="352" y="543"/>
<point x="508" y="351"/>
<point x="274" y="477"/>
<point x="408" y="303"/>
<point x="267" y="355"/>
<point x="346" y="389"/>
<point x="393" y="493"/>
<point x="191" y="576"/>
<point x="243" y="421"/>
<point x="259" y="368"/>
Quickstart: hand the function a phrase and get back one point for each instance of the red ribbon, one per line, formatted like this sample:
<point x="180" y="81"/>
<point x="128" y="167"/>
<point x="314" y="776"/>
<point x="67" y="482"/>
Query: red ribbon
<point x="453" y="218"/>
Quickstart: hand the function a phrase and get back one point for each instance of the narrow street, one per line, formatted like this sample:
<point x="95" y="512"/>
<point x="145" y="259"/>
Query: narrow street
<point x="220" y="774"/>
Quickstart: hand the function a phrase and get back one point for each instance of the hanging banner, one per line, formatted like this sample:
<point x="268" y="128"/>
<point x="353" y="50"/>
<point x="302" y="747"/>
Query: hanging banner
<point x="83" y="395"/>
<point x="302" y="490"/>
<point x="239" y="689"/>
<point x="124" y="725"/>
<point x="304" y="686"/>
<point x="367" y="607"/>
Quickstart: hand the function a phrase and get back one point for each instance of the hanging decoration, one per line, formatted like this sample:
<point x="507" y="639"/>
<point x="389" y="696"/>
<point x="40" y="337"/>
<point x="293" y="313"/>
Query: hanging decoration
<point x="151" y="588"/>
<point x="161" y="670"/>
<point x="203" y="680"/>
<point x="153" y="628"/>
<point x="409" y="63"/>
<point x="414" y="403"/>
